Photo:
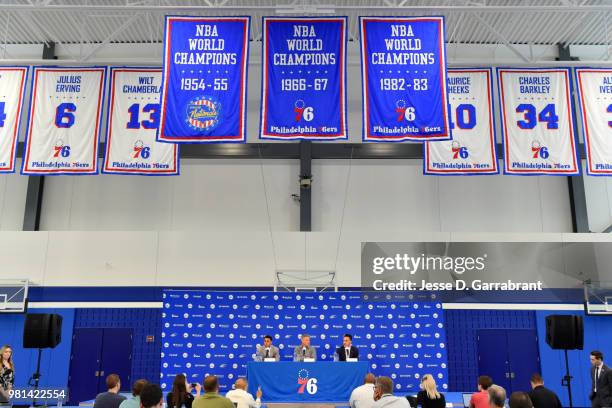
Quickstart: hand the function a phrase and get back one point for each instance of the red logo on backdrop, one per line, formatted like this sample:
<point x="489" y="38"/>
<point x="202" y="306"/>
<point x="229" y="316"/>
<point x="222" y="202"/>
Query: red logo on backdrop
<point x="302" y="380"/>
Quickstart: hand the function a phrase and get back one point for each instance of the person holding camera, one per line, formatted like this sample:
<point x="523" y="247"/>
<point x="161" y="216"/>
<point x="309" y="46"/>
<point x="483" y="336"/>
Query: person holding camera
<point x="181" y="396"/>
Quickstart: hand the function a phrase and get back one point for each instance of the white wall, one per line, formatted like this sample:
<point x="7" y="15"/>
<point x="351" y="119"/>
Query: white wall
<point x="173" y="258"/>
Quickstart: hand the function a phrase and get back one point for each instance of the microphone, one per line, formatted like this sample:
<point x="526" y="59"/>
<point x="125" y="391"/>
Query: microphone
<point x="303" y="351"/>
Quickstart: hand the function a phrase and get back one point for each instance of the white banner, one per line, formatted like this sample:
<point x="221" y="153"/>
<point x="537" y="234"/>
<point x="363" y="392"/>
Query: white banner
<point x="12" y="85"/>
<point x="472" y="149"/>
<point x="595" y="96"/>
<point x="537" y="122"/>
<point x="133" y="119"/>
<point x="64" y="121"/>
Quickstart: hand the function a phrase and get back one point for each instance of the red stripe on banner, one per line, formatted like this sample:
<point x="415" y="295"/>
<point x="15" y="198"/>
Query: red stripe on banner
<point x="110" y="130"/>
<point x="95" y="150"/>
<point x="11" y="164"/>
<point x="325" y="136"/>
<point x="432" y="137"/>
<point x="491" y="130"/>
<point x="243" y="85"/>
<point x="505" y="123"/>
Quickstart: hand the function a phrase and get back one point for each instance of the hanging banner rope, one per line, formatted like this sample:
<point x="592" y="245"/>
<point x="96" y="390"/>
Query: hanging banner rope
<point x="12" y="85"/>
<point x="537" y="122"/>
<point x="472" y="150"/>
<point x="304" y="78"/>
<point x="403" y="64"/>
<point x="204" y="80"/>
<point x="64" y="121"/>
<point x="595" y="98"/>
<point x="133" y="119"/>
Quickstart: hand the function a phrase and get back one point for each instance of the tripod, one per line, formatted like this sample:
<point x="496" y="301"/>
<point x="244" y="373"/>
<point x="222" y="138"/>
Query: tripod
<point x="566" y="381"/>
<point x="35" y="379"/>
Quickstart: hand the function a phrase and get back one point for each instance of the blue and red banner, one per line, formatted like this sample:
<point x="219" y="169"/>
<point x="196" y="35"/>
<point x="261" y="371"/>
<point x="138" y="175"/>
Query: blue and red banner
<point x="403" y="64"/>
<point x="304" y="78"/>
<point x="204" y="80"/>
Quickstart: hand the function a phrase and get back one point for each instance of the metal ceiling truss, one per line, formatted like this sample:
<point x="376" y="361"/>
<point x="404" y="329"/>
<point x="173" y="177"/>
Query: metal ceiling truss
<point x="94" y="24"/>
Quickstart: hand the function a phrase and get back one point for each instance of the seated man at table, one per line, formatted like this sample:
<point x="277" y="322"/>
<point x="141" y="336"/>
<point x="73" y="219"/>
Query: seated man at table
<point x="267" y="350"/>
<point x="383" y="395"/>
<point x="304" y="350"/>
<point x="347" y="350"/>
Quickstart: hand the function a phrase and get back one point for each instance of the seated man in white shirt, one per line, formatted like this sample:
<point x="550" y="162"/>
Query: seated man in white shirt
<point x="241" y="398"/>
<point x="383" y="395"/>
<point x="363" y="396"/>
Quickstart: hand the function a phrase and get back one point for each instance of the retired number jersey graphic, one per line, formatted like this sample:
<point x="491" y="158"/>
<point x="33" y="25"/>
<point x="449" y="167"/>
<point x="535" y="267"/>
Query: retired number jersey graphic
<point x="133" y="119"/>
<point x="64" y="121"/>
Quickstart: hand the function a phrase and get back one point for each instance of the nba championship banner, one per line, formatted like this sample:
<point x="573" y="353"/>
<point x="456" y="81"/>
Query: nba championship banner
<point x="12" y="84"/>
<point x="537" y="121"/>
<point x="403" y="66"/>
<point x="212" y="332"/>
<point x="204" y="80"/>
<point x="133" y="119"/>
<point x="304" y="78"/>
<point x="64" y="121"/>
<point x="472" y="150"/>
<point x="595" y="98"/>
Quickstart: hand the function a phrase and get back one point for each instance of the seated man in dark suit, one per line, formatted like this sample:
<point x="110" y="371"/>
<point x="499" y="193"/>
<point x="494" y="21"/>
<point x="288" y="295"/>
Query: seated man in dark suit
<point x="601" y="381"/>
<point x="347" y="350"/>
<point x="540" y="396"/>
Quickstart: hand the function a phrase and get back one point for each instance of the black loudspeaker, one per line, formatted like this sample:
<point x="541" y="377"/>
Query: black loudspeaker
<point x="42" y="330"/>
<point x="565" y="332"/>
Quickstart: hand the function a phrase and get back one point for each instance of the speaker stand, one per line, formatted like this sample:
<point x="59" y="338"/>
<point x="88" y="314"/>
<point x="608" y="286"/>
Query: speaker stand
<point x="567" y="380"/>
<point x="35" y="379"/>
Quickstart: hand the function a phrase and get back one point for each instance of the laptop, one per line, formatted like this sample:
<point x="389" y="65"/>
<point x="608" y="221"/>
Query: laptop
<point x="467" y="396"/>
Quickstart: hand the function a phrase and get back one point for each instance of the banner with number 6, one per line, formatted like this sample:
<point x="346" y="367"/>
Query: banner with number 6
<point x="472" y="150"/>
<point x="133" y="119"/>
<point x="64" y="121"/>
<point x="595" y="98"/>
<point x="12" y="84"/>
<point x="537" y="121"/>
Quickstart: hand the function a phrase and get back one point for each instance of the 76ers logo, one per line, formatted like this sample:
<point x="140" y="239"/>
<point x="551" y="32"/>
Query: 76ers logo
<point x="302" y="111"/>
<point x="203" y="113"/>
<point x="404" y="112"/>
<point x="309" y="384"/>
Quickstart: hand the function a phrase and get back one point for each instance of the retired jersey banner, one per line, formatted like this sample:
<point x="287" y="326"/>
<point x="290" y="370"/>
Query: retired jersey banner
<point x="472" y="150"/>
<point x="537" y="122"/>
<point x="304" y="78"/>
<point x="133" y="119"/>
<point x="12" y="84"/>
<point x="595" y="96"/>
<point x="64" y="121"/>
<point x="403" y="66"/>
<point x="204" y="80"/>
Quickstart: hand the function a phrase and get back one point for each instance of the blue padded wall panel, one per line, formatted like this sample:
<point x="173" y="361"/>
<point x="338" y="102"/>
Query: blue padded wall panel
<point x="461" y="327"/>
<point x="145" y="356"/>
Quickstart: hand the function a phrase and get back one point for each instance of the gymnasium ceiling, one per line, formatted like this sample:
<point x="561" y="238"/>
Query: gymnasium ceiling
<point x="535" y="22"/>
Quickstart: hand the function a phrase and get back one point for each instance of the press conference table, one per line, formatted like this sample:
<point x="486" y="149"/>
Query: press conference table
<point x="320" y="381"/>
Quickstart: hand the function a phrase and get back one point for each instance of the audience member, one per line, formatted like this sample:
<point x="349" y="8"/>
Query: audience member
<point x="211" y="397"/>
<point x="151" y="396"/>
<point x="363" y="396"/>
<point x="383" y="395"/>
<point x="134" y="401"/>
<point x="241" y="397"/>
<point x="601" y="381"/>
<point x="520" y="399"/>
<point x="542" y="397"/>
<point x="110" y="398"/>
<point x="429" y="397"/>
<point x="497" y="396"/>
<point x="181" y="393"/>
<point x="480" y="399"/>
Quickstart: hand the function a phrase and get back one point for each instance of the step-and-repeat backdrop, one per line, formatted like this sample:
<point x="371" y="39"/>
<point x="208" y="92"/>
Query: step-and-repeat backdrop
<point x="207" y="332"/>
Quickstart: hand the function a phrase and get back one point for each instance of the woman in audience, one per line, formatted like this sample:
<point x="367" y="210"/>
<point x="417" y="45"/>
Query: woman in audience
<point x="7" y="372"/>
<point x="181" y="396"/>
<point x="429" y="397"/>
